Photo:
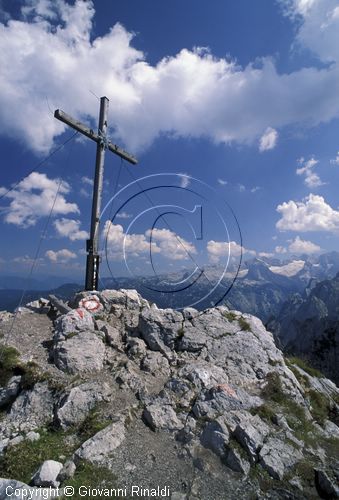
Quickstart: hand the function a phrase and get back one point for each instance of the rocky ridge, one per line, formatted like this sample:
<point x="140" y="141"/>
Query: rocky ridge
<point x="203" y="403"/>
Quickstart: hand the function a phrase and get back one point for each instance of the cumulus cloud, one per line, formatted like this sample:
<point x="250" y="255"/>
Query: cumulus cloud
<point x="70" y="228"/>
<point x="280" y="249"/>
<point x="268" y="140"/>
<point x="171" y="245"/>
<point x="310" y="214"/>
<point x="123" y="215"/>
<point x="192" y="94"/>
<point x="335" y="161"/>
<point x="221" y="249"/>
<point x="299" y="246"/>
<point x="319" y="26"/>
<point x="60" y="256"/>
<point x="303" y="246"/>
<point x="34" y="197"/>
<point x="222" y="182"/>
<point x="164" y="242"/>
<point x="312" y="180"/>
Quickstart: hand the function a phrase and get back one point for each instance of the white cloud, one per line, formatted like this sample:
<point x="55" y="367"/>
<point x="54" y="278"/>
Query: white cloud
<point x="280" y="249"/>
<point x="60" y="256"/>
<point x="184" y="180"/>
<point x="335" y="161"/>
<point x="205" y="96"/>
<point x="312" y="180"/>
<point x="34" y="197"/>
<point x="255" y="189"/>
<point x="268" y="140"/>
<point x="171" y="245"/>
<point x="87" y="181"/>
<point x="266" y="254"/>
<point x="303" y="246"/>
<point x="222" y="182"/>
<point x="221" y="249"/>
<point x="241" y="188"/>
<point x="319" y="26"/>
<point x="164" y="242"/>
<point x="123" y="215"/>
<point x="310" y="214"/>
<point x="70" y="228"/>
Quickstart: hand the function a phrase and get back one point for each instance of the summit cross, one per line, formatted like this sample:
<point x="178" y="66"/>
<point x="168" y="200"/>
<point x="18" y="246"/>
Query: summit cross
<point x="103" y="143"/>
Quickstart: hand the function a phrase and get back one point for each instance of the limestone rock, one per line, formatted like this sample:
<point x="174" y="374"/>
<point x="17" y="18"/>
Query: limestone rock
<point x="276" y="456"/>
<point x="75" y="321"/>
<point x="82" y="353"/>
<point x="23" y="491"/>
<point x="215" y="436"/>
<point x="159" y="415"/>
<point x="155" y="363"/>
<point x="160" y="328"/>
<point x="250" y="433"/>
<point x="136" y="348"/>
<point x="325" y="485"/>
<point x="79" y="401"/>
<point x="47" y="474"/>
<point x="32" y="408"/>
<point x="8" y="393"/>
<point x="102" y="444"/>
<point x="112" y="334"/>
<point x="236" y="461"/>
<point x="67" y="471"/>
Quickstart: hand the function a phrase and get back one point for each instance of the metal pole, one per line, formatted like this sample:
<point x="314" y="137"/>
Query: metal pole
<point x="93" y="259"/>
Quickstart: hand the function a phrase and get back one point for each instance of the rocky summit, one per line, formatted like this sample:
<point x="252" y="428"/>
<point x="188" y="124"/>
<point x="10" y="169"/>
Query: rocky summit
<point x="113" y="397"/>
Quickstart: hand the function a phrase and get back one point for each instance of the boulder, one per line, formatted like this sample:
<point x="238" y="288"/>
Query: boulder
<point x="67" y="471"/>
<point x="276" y="456"/>
<point x="235" y="460"/>
<point x="47" y="474"/>
<point x="10" y="488"/>
<point x="32" y="408"/>
<point x="215" y="436"/>
<point x="250" y="434"/>
<point x="9" y="393"/>
<point x="82" y="353"/>
<point x="102" y="445"/>
<point x="112" y="335"/>
<point x="74" y="406"/>
<point x="325" y="485"/>
<point x="160" y="328"/>
<point x="156" y="364"/>
<point x="160" y="415"/>
<point x="74" y="321"/>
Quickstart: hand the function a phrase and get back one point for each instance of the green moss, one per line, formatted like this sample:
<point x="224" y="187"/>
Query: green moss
<point x="301" y="363"/>
<point x="9" y="359"/>
<point x="244" y="325"/>
<point x="230" y="316"/>
<point x="89" y="475"/>
<point x="21" y="461"/>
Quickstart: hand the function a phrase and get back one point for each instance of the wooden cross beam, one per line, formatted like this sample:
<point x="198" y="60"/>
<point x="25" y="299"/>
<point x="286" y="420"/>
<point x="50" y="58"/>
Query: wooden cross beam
<point x="93" y="258"/>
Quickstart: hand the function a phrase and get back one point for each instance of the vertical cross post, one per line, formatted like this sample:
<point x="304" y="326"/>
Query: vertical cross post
<point x="93" y="258"/>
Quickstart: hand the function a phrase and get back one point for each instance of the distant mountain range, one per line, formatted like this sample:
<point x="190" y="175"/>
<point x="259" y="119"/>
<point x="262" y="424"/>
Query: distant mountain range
<point x="298" y="299"/>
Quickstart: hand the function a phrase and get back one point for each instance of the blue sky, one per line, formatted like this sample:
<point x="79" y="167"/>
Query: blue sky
<point x="240" y="95"/>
